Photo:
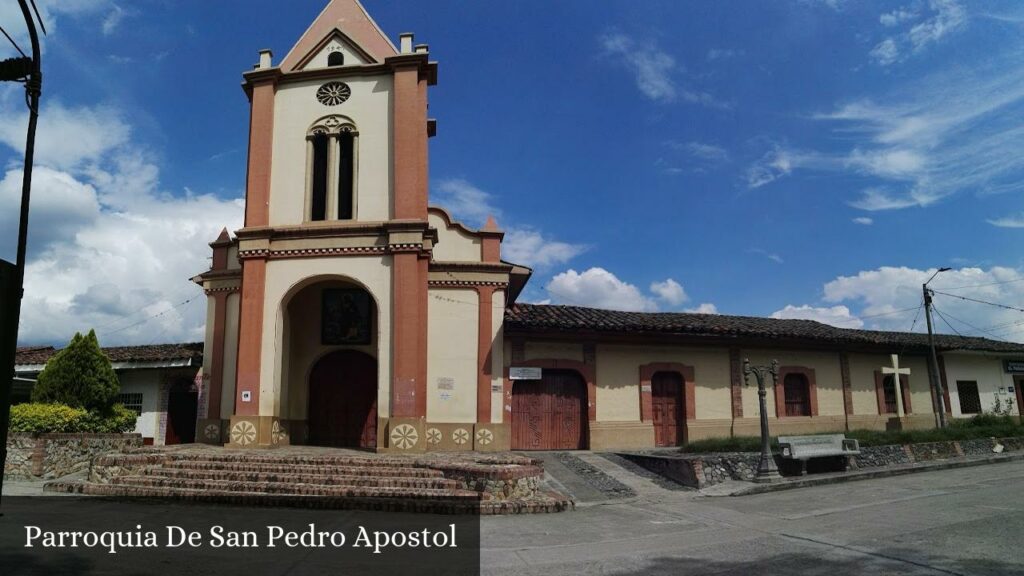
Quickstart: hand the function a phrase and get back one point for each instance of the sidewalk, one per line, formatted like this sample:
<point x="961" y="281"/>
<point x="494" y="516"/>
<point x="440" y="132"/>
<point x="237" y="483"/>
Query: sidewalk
<point x="740" y="488"/>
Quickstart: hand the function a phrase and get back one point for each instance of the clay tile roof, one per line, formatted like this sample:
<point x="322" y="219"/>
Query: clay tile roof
<point x="550" y="318"/>
<point x="146" y="353"/>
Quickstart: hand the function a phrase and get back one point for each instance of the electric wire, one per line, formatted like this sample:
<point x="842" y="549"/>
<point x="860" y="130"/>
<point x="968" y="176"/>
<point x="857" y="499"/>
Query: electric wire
<point x="13" y="43"/>
<point x="980" y="301"/>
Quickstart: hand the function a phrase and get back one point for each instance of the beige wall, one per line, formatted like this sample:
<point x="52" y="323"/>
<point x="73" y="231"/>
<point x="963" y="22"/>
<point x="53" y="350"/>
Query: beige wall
<point x="553" y="350"/>
<point x="453" y="245"/>
<point x="452" y="354"/>
<point x="987" y="371"/>
<point x="862" y="382"/>
<point x="497" y="356"/>
<point x="335" y="45"/>
<point x="147" y="383"/>
<point x="826" y="371"/>
<point x="284" y="279"/>
<point x="227" y="396"/>
<point x="296" y="109"/>
<point x="618" y="379"/>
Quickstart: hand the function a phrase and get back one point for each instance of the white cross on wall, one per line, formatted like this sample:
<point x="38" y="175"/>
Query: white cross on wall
<point x="896" y="372"/>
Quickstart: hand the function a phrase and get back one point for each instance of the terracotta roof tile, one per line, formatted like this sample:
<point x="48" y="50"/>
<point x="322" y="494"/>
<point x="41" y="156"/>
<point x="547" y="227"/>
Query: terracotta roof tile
<point x="146" y="353"/>
<point x="551" y="318"/>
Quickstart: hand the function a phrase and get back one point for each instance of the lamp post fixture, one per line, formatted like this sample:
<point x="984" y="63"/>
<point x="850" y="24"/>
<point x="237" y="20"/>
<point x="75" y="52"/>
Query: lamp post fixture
<point x="939" y="404"/>
<point x="25" y="69"/>
<point x="767" y="471"/>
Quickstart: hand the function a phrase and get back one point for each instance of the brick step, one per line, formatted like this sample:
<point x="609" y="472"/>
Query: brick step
<point x="293" y="478"/>
<point x="321" y="460"/>
<point x="292" y="488"/>
<point x="461" y="502"/>
<point x="325" y="470"/>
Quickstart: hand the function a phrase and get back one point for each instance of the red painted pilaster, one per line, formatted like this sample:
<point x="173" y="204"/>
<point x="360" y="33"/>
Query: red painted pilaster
<point x="483" y="354"/>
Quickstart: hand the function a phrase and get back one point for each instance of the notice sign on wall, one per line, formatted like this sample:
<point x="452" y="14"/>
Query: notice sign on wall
<point x="524" y="373"/>
<point x="1015" y="366"/>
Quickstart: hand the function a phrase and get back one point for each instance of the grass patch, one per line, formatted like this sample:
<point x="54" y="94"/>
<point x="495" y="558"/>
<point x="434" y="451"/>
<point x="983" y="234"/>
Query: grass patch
<point x="981" y="426"/>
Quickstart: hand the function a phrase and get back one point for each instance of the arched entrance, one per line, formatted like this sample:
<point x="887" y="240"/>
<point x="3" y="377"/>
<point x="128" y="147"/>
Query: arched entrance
<point x="668" y="402"/>
<point x="182" y="409"/>
<point x="550" y="413"/>
<point x="343" y="400"/>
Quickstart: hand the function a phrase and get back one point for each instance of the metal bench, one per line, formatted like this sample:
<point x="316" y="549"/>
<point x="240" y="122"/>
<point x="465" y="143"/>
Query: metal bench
<point x="803" y="448"/>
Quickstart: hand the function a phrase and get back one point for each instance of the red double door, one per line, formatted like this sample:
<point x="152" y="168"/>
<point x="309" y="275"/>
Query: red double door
<point x="550" y="413"/>
<point x="668" y="401"/>
<point x="343" y="400"/>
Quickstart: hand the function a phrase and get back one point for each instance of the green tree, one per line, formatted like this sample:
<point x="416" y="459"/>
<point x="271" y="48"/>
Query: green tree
<point x="79" y="376"/>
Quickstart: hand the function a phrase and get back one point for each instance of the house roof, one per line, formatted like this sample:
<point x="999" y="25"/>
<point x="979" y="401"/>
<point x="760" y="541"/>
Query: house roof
<point x="551" y="318"/>
<point x="36" y="355"/>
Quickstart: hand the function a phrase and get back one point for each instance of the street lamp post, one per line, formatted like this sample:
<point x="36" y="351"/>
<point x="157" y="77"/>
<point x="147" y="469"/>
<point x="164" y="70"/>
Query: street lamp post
<point x="767" y="471"/>
<point x="939" y="404"/>
<point x="12" y="276"/>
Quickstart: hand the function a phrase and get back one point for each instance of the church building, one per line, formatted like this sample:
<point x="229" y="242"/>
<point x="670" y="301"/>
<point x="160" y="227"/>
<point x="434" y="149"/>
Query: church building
<point x="349" y="312"/>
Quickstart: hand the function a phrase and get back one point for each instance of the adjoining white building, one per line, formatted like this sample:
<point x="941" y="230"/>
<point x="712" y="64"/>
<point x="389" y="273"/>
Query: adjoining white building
<point x="157" y="381"/>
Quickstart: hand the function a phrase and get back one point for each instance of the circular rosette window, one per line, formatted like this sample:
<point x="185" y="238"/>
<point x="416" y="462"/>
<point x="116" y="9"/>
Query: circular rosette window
<point x="333" y="93"/>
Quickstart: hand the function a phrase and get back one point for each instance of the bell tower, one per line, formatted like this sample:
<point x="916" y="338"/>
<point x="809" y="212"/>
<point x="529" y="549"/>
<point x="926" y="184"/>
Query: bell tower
<point x="318" y="312"/>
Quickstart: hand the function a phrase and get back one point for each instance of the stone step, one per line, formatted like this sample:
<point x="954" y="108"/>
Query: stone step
<point x="455" y="502"/>
<point x="295" y="478"/>
<point x="321" y="460"/>
<point x="292" y="488"/>
<point x="324" y="470"/>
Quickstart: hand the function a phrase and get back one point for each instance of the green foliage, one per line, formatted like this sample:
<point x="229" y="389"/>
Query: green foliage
<point x="79" y="376"/>
<point x="981" y="426"/>
<point x="41" y="418"/>
<point x="50" y="418"/>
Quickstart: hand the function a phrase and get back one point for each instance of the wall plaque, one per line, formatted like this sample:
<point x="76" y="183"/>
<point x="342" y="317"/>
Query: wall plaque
<point x="524" y="373"/>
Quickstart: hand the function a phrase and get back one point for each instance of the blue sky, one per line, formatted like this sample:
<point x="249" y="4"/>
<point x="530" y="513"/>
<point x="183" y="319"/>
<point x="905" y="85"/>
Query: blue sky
<point x="794" y="158"/>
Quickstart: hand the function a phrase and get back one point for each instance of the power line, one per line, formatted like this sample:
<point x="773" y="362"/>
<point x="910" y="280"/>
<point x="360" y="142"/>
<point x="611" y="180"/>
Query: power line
<point x="859" y="318"/>
<point x="936" y="310"/>
<point x="144" y="320"/>
<point x="987" y="284"/>
<point x="13" y="43"/>
<point x="969" y="325"/>
<point x="980" y="301"/>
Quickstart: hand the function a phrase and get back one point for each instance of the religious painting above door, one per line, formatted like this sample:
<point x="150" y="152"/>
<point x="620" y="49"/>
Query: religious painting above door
<point x="345" y="316"/>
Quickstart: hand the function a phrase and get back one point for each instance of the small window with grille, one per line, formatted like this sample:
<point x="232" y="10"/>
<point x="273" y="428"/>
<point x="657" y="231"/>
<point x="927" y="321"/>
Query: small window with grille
<point x="131" y="401"/>
<point x="970" y="401"/>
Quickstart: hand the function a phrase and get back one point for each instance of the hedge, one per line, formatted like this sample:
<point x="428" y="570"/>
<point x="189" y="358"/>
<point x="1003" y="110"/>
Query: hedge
<point x="50" y="418"/>
<point x="981" y="426"/>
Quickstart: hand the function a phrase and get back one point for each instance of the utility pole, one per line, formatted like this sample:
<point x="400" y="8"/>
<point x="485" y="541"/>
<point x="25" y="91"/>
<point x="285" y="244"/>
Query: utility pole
<point x="12" y="276"/>
<point x="939" y="403"/>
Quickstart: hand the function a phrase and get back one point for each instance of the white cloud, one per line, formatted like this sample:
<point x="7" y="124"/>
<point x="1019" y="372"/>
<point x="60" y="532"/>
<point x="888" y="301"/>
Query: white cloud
<point x="769" y="255"/>
<point x="655" y="71"/>
<point x="465" y="200"/>
<point x="703" y="308"/>
<point x="598" y="288"/>
<point x="670" y="292"/>
<point x="108" y="247"/>
<point x="875" y="199"/>
<point x="897" y="17"/>
<point x="863" y="221"/>
<point x="652" y="67"/>
<point x="522" y="244"/>
<point x="51" y="11"/>
<point x="66" y="137"/>
<point x="885" y="52"/>
<point x="709" y="152"/>
<point x="835" y="315"/>
<point x="113" y="19"/>
<point x="885" y="295"/>
<point x="944" y="18"/>
<point x="532" y="248"/>
<point x="1008" y="221"/>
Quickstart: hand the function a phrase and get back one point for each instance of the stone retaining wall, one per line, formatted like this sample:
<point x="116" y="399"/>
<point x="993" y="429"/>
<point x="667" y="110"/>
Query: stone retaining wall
<point x="51" y="456"/>
<point x="701" y="470"/>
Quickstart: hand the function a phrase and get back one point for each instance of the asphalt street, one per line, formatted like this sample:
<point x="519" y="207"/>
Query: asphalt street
<point x="964" y="521"/>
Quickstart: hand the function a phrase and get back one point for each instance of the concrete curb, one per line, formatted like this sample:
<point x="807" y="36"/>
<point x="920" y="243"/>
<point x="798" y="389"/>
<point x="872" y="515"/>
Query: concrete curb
<point x="871" y="474"/>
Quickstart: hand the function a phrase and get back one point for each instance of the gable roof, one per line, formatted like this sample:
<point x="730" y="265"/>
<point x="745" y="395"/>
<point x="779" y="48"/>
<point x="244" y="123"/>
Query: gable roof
<point x="38" y="355"/>
<point x="552" y="318"/>
<point x="351" y="19"/>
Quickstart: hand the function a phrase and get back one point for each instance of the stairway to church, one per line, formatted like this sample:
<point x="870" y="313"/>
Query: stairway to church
<point x="444" y="484"/>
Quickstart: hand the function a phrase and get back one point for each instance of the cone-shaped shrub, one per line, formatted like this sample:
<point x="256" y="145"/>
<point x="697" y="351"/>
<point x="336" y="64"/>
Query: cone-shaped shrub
<point x="79" y="376"/>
